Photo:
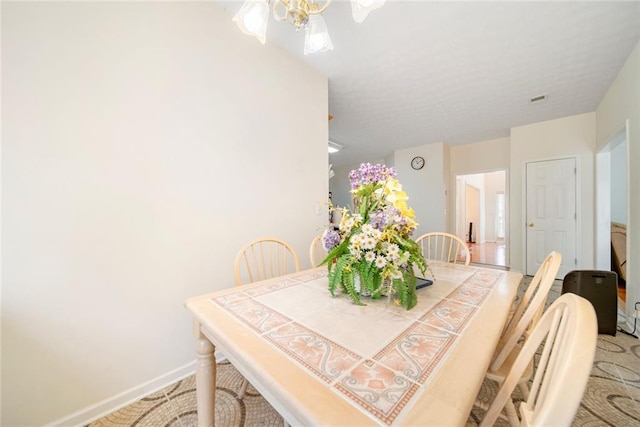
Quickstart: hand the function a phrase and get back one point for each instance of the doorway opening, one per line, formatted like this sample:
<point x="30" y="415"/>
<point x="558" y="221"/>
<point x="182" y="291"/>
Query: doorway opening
<point x="481" y="216"/>
<point x="612" y="210"/>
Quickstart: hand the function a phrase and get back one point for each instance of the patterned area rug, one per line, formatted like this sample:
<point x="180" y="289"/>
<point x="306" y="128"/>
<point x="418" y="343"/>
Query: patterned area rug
<point x="612" y="397"/>
<point x="175" y="406"/>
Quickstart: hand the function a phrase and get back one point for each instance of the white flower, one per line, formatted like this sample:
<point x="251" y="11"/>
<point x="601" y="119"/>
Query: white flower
<point x="381" y="262"/>
<point x="348" y="225"/>
<point x="393" y="251"/>
<point x="370" y="256"/>
<point x="367" y="229"/>
<point x="369" y="243"/>
<point x="355" y="251"/>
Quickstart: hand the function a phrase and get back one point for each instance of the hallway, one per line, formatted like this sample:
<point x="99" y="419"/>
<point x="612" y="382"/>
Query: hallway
<point x="490" y="253"/>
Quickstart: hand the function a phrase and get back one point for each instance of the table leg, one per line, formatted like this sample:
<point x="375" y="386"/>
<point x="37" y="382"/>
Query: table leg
<point x="205" y="382"/>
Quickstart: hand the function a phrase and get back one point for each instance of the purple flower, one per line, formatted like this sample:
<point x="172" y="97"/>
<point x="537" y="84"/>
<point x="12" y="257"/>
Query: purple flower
<point x="370" y="174"/>
<point x="330" y="239"/>
<point x="378" y="220"/>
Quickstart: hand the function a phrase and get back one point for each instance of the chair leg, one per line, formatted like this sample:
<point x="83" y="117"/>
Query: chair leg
<point x="524" y="390"/>
<point x="243" y="388"/>
<point x="480" y="404"/>
<point x="512" y="415"/>
<point x="485" y="407"/>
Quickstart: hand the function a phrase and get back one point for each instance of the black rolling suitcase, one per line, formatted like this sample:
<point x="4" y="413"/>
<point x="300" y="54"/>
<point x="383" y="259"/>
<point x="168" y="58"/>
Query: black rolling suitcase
<point x="601" y="289"/>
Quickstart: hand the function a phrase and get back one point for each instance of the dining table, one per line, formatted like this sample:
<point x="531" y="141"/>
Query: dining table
<point x="322" y="360"/>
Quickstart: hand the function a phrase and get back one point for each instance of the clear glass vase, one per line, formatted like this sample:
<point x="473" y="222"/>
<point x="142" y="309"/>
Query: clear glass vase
<point x="365" y="292"/>
<point x="362" y="290"/>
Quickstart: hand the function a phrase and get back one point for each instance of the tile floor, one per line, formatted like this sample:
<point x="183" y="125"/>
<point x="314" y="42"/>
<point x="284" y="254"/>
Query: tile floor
<point x="490" y="253"/>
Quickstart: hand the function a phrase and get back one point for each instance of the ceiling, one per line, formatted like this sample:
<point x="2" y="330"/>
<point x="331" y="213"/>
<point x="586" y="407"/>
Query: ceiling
<point x="419" y="72"/>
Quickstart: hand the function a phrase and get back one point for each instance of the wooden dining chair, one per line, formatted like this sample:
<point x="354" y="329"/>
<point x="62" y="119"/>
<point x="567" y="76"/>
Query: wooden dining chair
<point x="519" y="327"/>
<point x="440" y="246"/>
<point x="569" y="330"/>
<point x="317" y="252"/>
<point x="264" y="258"/>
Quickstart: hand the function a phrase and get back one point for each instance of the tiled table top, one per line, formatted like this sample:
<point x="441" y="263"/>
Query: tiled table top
<point x="381" y="362"/>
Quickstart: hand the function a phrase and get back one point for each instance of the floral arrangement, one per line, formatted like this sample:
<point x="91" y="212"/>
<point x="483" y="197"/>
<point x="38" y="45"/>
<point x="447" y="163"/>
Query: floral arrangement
<point x="372" y="252"/>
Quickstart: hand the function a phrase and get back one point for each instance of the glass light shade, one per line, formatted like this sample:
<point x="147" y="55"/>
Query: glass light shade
<point x="334" y="148"/>
<point x="361" y="8"/>
<point x="316" y="36"/>
<point x="252" y="18"/>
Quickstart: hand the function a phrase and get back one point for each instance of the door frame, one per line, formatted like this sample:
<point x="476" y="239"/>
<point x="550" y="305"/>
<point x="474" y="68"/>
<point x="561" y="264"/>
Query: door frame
<point x="578" y="202"/>
<point x="603" y="208"/>
<point x="507" y="214"/>
<point x="481" y="215"/>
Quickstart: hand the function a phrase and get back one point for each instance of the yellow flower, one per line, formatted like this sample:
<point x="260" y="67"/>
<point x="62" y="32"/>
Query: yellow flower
<point x="404" y="209"/>
<point x="392" y="185"/>
<point x="393" y="191"/>
<point x="387" y="236"/>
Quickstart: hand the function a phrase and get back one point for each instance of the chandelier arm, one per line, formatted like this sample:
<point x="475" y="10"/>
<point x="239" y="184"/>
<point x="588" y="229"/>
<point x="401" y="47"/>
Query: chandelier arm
<point x="285" y="5"/>
<point x="314" y="9"/>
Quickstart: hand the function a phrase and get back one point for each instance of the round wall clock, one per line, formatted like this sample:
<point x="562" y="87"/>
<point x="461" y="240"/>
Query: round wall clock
<point x="417" y="162"/>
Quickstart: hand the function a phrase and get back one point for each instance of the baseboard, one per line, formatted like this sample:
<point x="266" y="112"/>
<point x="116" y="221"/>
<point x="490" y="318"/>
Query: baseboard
<point x="625" y="322"/>
<point x="220" y="357"/>
<point x="107" y="406"/>
<point x="631" y="327"/>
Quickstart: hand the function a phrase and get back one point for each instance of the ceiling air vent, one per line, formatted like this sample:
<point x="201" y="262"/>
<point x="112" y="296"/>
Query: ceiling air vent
<point x="537" y="99"/>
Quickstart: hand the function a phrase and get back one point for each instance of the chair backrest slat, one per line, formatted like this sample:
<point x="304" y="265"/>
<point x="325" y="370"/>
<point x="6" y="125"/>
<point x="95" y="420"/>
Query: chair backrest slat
<point x="263" y="259"/>
<point x="317" y="252"/>
<point x="440" y="246"/>
<point x="529" y="309"/>
<point x="569" y="330"/>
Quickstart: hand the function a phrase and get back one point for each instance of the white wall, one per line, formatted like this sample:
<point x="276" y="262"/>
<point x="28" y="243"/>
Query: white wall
<point x="339" y="186"/>
<point x="143" y="144"/>
<point x="483" y="156"/>
<point x="449" y="188"/>
<point x="565" y="137"/>
<point x="494" y="183"/>
<point x="426" y="187"/>
<point x="618" y="170"/>
<point x="621" y="103"/>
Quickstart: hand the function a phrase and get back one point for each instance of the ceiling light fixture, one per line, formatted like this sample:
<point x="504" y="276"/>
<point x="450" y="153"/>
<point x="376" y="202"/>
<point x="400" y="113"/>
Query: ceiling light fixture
<point x="253" y="16"/>
<point x="334" y="148"/>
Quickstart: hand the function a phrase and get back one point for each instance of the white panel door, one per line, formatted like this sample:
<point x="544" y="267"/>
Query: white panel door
<point x="551" y="213"/>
